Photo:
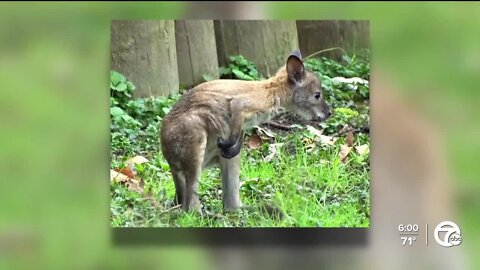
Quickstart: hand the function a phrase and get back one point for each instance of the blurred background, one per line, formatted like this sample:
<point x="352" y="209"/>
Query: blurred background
<point x="54" y="156"/>
<point x="161" y="56"/>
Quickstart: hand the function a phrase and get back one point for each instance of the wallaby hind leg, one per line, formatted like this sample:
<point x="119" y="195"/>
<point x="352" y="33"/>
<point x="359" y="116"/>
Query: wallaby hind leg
<point x="180" y="187"/>
<point x="230" y="168"/>
<point x="192" y="201"/>
<point x="192" y="169"/>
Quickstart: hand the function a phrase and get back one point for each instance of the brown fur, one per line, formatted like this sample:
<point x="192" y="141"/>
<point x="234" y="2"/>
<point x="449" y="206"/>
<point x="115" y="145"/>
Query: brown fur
<point x="206" y="126"/>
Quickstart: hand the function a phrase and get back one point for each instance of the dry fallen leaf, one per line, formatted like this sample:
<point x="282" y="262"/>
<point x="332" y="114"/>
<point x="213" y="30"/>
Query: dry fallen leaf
<point x="272" y="148"/>
<point x="344" y="150"/>
<point x="135" y="160"/>
<point x="132" y="184"/>
<point x="267" y="132"/>
<point x="362" y="149"/>
<point x="135" y="185"/>
<point x="126" y="171"/>
<point x="254" y="141"/>
<point x="309" y="147"/>
<point x="314" y="131"/>
<point x="129" y="169"/>
<point x="309" y="144"/>
<point x="128" y="179"/>
<point x="322" y="138"/>
<point x="117" y="176"/>
<point x="327" y="139"/>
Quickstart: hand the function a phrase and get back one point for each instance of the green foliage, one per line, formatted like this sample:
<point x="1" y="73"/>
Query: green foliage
<point x="135" y="122"/>
<point x="239" y="68"/>
<point x="343" y="94"/>
<point x="350" y="101"/>
<point x="345" y="117"/>
<point x="352" y="66"/>
<point x="120" y="88"/>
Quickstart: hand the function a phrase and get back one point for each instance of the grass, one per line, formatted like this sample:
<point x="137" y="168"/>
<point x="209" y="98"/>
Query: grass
<point x="294" y="170"/>
<point x="314" y="189"/>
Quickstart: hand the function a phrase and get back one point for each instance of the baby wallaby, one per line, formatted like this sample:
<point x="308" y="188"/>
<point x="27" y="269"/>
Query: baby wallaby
<point x="205" y="127"/>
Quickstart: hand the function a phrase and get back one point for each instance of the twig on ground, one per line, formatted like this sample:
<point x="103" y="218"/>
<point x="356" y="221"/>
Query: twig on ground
<point x="346" y="129"/>
<point x="279" y="126"/>
<point x="170" y="209"/>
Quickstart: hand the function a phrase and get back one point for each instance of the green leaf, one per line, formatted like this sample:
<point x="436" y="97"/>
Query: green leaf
<point x="130" y="86"/>
<point x="121" y="87"/>
<point x="166" y="110"/>
<point x="347" y="58"/>
<point x="224" y="71"/>
<point x="127" y="118"/>
<point x="116" y="111"/>
<point x="236" y="70"/>
<point x="140" y="168"/>
<point x="239" y="74"/>
<point x="116" y="78"/>
<point x="164" y="166"/>
<point x="113" y="101"/>
<point x="151" y="128"/>
<point x="253" y="72"/>
<point x="242" y="61"/>
<point x="136" y="105"/>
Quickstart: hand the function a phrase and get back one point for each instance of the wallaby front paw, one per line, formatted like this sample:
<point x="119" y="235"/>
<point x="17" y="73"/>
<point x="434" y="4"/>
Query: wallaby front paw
<point x="222" y="143"/>
<point x="229" y="152"/>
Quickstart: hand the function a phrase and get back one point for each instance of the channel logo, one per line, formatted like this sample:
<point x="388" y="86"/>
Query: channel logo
<point x="447" y="234"/>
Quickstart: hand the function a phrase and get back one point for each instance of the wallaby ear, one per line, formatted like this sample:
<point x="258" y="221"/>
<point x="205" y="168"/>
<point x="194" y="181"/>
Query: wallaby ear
<point x="297" y="53"/>
<point x="295" y="68"/>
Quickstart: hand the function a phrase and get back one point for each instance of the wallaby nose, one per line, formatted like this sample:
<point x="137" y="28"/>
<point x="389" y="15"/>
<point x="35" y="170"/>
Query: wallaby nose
<point x="325" y="115"/>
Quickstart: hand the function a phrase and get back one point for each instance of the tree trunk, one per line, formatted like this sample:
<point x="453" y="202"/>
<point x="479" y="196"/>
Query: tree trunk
<point x="266" y="43"/>
<point x="196" y="51"/>
<point x="144" y="51"/>
<point x="352" y="36"/>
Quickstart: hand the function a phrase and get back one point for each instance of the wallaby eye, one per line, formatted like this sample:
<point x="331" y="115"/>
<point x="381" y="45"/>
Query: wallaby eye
<point x="317" y="95"/>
